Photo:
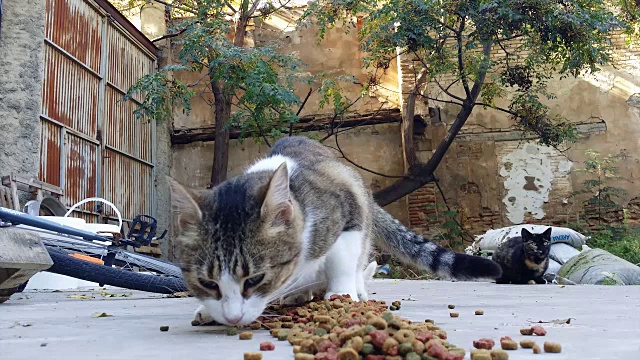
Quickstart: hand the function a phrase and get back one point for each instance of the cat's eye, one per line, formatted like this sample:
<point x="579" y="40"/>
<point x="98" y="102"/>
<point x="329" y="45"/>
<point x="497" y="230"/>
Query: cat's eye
<point x="253" y="281"/>
<point x="209" y="284"/>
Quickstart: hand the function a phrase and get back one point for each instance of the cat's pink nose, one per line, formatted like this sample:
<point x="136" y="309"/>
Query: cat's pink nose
<point x="233" y="320"/>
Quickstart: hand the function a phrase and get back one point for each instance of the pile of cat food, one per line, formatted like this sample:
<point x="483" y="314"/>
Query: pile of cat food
<point x="341" y="329"/>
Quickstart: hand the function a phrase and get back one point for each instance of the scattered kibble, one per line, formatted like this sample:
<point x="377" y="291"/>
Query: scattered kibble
<point x="450" y="306"/>
<point x="527" y="344"/>
<point x="526" y="331"/>
<point x="485" y="343"/>
<point x="282" y="335"/>
<point x="246" y="335"/>
<point x="507" y="344"/>
<point x="538" y="330"/>
<point x="498" y="354"/>
<point x="252" y="356"/>
<point x="393" y="308"/>
<point x="552" y="347"/>
<point x="536" y="349"/>
<point x="164" y="328"/>
<point x="232" y="331"/>
<point x="255" y="326"/>
<point x="303" y="356"/>
<point x="454" y="314"/>
<point x="347" y="354"/>
<point x="267" y="346"/>
<point x="479" y="312"/>
<point x="481" y="354"/>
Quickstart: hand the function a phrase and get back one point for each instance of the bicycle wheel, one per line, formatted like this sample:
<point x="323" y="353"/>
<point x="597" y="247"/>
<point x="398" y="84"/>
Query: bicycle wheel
<point x="81" y="269"/>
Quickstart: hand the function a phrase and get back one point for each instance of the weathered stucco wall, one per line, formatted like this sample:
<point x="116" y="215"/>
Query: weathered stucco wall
<point x="21" y="59"/>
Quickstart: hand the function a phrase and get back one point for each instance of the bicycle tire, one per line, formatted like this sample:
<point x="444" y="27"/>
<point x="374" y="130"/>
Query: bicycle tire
<point x="80" y="269"/>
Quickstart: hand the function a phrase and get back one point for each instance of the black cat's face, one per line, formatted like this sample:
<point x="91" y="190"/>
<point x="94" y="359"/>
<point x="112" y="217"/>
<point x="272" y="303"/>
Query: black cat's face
<point x="536" y="246"/>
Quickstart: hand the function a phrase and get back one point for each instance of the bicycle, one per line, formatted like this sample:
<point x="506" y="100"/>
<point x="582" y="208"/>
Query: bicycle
<point x="103" y="259"/>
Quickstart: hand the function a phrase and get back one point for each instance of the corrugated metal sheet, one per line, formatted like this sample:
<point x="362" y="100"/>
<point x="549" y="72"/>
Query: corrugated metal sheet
<point x="127" y="183"/>
<point x="50" y="153"/>
<point x="127" y="63"/>
<point x="75" y="77"/>
<point x="75" y="26"/>
<point x="123" y="131"/>
<point x="81" y="171"/>
<point x="69" y="93"/>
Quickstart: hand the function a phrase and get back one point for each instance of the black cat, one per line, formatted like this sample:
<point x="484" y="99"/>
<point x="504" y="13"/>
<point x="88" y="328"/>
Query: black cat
<point x="524" y="258"/>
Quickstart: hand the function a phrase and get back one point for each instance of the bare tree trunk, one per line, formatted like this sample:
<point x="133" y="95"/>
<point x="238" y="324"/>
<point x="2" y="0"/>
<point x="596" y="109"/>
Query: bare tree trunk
<point x="422" y="174"/>
<point x="409" y="151"/>
<point x="223" y="102"/>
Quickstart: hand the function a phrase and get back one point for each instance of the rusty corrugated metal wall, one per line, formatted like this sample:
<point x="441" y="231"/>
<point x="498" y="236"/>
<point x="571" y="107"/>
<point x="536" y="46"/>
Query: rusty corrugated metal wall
<point x="91" y="143"/>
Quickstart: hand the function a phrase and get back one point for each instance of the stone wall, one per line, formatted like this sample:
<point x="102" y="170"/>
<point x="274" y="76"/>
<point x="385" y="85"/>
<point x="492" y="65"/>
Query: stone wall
<point x="21" y="63"/>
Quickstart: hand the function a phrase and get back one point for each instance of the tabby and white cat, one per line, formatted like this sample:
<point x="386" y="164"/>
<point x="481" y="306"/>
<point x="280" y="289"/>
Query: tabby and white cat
<point x="293" y="221"/>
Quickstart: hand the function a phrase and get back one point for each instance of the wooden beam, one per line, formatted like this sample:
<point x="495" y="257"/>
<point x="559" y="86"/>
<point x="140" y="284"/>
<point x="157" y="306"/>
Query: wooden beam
<point x="306" y="123"/>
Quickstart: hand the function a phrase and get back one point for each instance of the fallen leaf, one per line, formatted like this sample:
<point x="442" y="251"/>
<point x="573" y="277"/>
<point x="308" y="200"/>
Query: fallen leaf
<point x="181" y="294"/>
<point x="110" y="295"/>
<point x="75" y="296"/>
<point x="100" y="315"/>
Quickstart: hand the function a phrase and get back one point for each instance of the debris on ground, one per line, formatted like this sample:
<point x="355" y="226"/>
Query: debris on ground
<point x="100" y="315"/>
<point x="111" y="295"/>
<point x="181" y="294"/>
<point x="83" y="296"/>
<point x="164" y="328"/>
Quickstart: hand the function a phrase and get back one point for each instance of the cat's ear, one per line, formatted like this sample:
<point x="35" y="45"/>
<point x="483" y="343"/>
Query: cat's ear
<point x="525" y="233"/>
<point x="184" y="205"/>
<point x="547" y="233"/>
<point x="277" y="203"/>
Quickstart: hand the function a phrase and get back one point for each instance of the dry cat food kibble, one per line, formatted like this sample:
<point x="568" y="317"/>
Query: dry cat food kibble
<point x="536" y="349"/>
<point x="267" y="346"/>
<point x="538" y="330"/>
<point x="481" y="354"/>
<point x="252" y="356"/>
<point x="527" y="344"/>
<point x="552" y="347"/>
<point x="164" y="328"/>
<point x="340" y="329"/>
<point x="246" y="335"/>
<point x="507" y="344"/>
<point x="498" y="354"/>
<point x="485" y="343"/>
<point x="526" y="331"/>
<point x="454" y="314"/>
<point x="479" y="312"/>
<point x="450" y="306"/>
<point x="232" y="331"/>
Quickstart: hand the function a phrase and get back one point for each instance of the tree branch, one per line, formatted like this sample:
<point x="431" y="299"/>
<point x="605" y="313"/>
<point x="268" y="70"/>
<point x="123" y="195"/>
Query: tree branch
<point x="463" y="75"/>
<point x="360" y="166"/>
<point x="300" y="109"/>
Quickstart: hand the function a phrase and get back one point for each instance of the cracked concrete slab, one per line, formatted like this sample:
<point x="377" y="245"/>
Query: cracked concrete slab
<point x="57" y="325"/>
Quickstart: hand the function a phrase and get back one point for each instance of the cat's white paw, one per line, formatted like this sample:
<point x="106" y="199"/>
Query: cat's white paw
<point x="202" y="317"/>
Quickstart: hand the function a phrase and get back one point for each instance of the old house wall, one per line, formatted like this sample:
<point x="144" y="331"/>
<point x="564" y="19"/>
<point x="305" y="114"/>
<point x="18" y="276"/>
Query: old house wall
<point x="491" y="175"/>
<point x="495" y="178"/>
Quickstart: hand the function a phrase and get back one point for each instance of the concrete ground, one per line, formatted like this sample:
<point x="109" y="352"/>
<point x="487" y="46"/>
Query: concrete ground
<point x="605" y="322"/>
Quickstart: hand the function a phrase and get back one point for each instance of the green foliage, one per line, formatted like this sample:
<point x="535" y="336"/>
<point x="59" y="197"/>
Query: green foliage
<point x="259" y="81"/>
<point x="450" y="232"/>
<point x="540" y="38"/>
<point x="601" y="195"/>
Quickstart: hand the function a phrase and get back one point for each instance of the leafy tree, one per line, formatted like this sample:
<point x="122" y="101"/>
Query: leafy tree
<point x="258" y="82"/>
<point x="453" y="41"/>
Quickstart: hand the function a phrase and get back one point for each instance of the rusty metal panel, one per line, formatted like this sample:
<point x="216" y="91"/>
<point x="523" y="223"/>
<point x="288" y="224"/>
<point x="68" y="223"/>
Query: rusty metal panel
<point x="127" y="62"/>
<point x="81" y="171"/>
<point x="128" y="184"/>
<point x="69" y="93"/>
<point x="123" y="131"/>
<point x="50" y="153"/>
<point x="75" y="26"/>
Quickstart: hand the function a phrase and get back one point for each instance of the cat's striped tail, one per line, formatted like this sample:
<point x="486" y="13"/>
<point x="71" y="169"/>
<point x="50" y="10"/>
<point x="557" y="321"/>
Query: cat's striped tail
<point x="411" y="247"/>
